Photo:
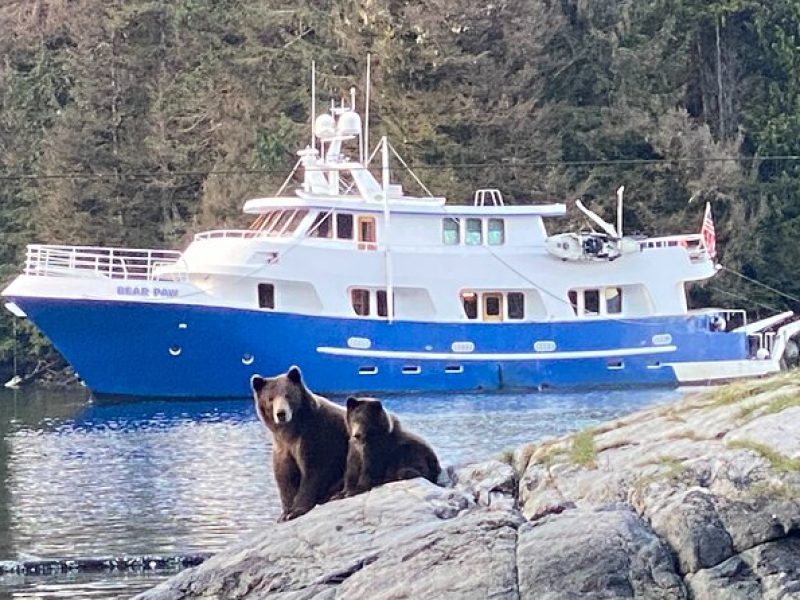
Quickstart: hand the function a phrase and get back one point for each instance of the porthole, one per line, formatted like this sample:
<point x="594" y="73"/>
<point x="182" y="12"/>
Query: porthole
<point x="615" y="365"/>
<point x="247" y="359"/>
<point x="368" y="370"/>
<point x="662" y="339"/>
<point x="182" y="326"/>
<point x="454" y="369"/>
<point x="544" y="346"/>
<point x="463" y="347"/>
<point x="175" y="350"/>
<point x="411" y="370"/>
<point x="361" y="343"/>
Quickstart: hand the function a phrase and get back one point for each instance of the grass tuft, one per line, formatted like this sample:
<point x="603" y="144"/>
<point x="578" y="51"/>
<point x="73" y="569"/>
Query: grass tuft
<point x="777" y="461"/>
<point x="774" y="406"/>
<point x="583" y="451"/>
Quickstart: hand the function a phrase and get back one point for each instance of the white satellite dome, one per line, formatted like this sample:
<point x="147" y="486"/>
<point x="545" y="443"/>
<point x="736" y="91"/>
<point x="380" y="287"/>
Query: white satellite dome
<point x="325" y="126"/>
<point x="349" y="123"/>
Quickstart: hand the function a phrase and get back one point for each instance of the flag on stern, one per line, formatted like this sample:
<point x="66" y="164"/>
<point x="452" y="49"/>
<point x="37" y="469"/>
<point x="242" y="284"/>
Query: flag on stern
<point x="707" y="231"/>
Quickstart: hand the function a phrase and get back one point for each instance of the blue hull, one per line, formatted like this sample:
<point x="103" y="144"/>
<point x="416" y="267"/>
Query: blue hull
<point x="172" y="350"/>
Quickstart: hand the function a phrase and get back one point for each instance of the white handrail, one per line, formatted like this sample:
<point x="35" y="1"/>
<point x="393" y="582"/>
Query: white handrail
<point x="45" y="260"/>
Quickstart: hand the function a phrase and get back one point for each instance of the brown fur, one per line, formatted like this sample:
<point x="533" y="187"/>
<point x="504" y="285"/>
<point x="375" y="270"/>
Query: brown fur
<point x="380" y="450"/>
<point x="310" y="440"/>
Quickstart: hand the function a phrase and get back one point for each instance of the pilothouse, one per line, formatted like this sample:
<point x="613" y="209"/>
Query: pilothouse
<point x="371" y="288"/>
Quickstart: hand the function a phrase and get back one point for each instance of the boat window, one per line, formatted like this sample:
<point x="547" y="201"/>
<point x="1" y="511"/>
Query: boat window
<point x="360" y="301"/>
<point x="269" y="220"/>
<point x="294" y="222"/>
<point x="266" y="295"/>
<point x="474" y="234"/>
<point x="470" y="302"/>
<point x="451" y="231"/>
<point x="492" y="307"/>
<point x="613" y="300"/>
<point x="516" y="305"/>
<point x="496" y="234"/>
<point x="366" y="233"/>
<point x="321" y="227"/>
<point x="280" y="222"/>
<point x="381" y="303"/>
<point x="344" y="226"/>
<point x="591" y="302"/>
<point x="573" y="300"/>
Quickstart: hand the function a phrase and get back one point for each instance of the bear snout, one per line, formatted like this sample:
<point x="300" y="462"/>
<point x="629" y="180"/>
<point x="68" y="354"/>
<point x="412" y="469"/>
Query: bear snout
<point x="281" y="414"/>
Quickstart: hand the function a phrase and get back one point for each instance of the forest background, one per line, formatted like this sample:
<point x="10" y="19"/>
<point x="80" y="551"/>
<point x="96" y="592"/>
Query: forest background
<point x="139" y="122"/>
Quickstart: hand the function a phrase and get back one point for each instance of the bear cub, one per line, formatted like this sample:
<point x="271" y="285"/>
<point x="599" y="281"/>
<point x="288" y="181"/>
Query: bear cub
<point x="310" y="440"/>
<point x="381" y="451"/>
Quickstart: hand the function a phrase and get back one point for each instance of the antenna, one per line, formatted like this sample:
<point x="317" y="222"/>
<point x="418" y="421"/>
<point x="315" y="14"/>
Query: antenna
<point x="620" y="193"/>
<point x="366" y="105"/>
<point x="313" y="104"/>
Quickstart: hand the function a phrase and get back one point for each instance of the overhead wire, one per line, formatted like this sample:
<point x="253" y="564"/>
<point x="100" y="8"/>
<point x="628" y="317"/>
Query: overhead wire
<point x="422" y="167"/>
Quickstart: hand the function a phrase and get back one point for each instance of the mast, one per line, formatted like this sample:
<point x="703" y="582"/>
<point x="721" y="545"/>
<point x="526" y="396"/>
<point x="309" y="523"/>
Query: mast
<point x="366" y="109"/>
<point x="313" y="104"/>
<point x="387" y="233"/>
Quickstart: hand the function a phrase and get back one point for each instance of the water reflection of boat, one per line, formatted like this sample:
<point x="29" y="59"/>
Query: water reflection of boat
<point x="371" y="288"/>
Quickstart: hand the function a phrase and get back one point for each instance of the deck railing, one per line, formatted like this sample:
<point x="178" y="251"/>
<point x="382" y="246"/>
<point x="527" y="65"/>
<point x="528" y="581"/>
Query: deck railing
<point x="693" y="243"/>
<point x="230" y="233"/>
<point x="113" y="263"/>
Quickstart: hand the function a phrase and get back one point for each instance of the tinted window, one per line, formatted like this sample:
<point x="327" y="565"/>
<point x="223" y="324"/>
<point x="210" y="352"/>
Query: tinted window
<point x="266" y="295"/>
<point x="492" y="303"/>
<point x="516" y="305"/>
<point x="497" y="232"/>
<point x="613" y="300"/>
<point x="451" y="234"/>
<point x="360" y="301"/>
<point x="382" y="305"/>
<point x="470" y="302"/>
<point x="591" y="299"/>
<point x="344" y="227"/>
<point x="321" y="228"/>
<point x="473" y="236"/>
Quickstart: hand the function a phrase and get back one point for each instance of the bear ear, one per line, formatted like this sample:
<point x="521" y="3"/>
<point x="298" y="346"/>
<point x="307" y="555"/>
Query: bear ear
<point x="257" y="383"/>
<point x="352" y="402"/>
<point x="294" y="375"/>
<point x="376" y="404"/>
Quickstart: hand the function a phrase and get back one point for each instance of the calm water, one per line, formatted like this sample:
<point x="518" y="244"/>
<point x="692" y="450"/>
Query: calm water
<point x="79" y="478"/>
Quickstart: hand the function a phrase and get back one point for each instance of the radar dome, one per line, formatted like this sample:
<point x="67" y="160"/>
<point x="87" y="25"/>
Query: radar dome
<point x="325" y="126"/>
<point x="349" y="123"/>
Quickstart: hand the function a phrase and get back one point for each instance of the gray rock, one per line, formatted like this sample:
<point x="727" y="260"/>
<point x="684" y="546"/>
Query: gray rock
<point x="311" y="556"/>
<point x="493" y="484"/>
<point x="770" y="571"/>
<point x="730" y="580"/>
<point x="469" y="557"/>
<point x="594" y="554"/>
<point x="691" y="525"/>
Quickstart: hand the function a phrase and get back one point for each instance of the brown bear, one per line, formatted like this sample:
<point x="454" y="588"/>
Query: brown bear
<point x="381" y="451"/>
<point x="310" y="440"/>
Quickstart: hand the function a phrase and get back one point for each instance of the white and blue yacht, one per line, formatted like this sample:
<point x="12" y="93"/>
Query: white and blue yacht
<point x="371" y="289"/>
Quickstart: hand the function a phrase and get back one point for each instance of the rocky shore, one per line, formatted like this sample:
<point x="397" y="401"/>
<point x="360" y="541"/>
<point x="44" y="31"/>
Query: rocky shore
<point x="699" y="499"/>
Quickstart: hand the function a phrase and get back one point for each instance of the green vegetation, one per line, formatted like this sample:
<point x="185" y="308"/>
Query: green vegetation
<point x="582" y="451"/>
<point x="736" y="392"/>
<point x="158" y="118"/>
<point x="775" y="405"/>
<point x="777" y="461"/>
